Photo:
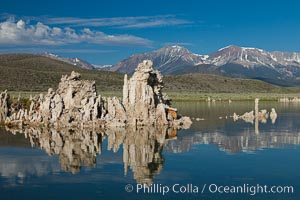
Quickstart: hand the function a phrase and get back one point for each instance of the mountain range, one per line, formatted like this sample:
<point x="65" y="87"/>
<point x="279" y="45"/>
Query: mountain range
<point x="36" y="73"/>
<point x="282" y="68"/>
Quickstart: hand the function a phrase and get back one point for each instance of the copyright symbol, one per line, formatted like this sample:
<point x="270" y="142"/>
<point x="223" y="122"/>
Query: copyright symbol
<point x="129" y="188"/>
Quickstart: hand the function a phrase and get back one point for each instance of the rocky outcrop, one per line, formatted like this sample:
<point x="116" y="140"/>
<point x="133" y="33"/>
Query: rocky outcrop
<point x="260" y="116"/>
<point x="257" y="116"/>
<point x="116" y="115"/>
<point x="3" y="105"/>
<point x="75" y="103"/>
<point x="143" y="99"/>
<point x="273" y="115"/>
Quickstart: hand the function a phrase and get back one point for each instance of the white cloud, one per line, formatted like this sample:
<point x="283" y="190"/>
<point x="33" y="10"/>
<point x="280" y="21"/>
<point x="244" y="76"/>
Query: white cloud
<point x="116" y="22"/>
<point x="21" y="33"/>
<point x="120" y="22"/>
<point x="157" y="23"/>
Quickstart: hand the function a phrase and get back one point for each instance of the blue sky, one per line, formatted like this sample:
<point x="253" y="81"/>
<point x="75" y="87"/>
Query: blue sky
<point x="104" y="32"/>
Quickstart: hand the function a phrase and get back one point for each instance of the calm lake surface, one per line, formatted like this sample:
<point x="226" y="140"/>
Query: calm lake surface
<point x="215" y="151"/>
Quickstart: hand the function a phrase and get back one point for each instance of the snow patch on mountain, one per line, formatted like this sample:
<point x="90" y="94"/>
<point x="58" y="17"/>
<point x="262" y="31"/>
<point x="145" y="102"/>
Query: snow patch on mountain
<point x="73" y="61"/>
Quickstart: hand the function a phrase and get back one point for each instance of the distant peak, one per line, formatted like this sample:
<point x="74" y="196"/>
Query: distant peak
<point x="173" y="47"/>
<point x="229" y="47"/>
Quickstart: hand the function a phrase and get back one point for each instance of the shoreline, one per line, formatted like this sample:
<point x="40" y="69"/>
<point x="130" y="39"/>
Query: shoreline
<point x="189" y="96"/>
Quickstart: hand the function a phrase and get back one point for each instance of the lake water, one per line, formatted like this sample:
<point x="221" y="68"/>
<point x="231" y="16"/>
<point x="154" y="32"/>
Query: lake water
<point x="190" y="164"/>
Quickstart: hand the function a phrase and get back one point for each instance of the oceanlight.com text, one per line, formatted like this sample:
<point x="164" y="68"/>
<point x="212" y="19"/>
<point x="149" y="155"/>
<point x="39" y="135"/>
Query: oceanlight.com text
<point x="208" y="188"/>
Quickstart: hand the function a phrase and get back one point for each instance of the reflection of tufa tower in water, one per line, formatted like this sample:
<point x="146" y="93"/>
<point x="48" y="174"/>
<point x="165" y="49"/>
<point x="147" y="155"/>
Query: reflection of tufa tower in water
<point x="142" y="147"/>
<point x="74" y="148"/>
<point x="143" y="153"/>
<point x="256" y="116"/>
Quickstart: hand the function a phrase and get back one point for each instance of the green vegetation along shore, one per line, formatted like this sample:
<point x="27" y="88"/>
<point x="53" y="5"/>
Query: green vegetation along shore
<point x="26" y="74"/>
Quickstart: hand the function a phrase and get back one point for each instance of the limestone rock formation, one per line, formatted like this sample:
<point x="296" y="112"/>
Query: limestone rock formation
<point x="256" y="115"/>
<point x="273" y="115"/>
<point x="75" y="103"/>
<point x="142" y="97"/>
<point x="73" y="120"/>
<point x="3" y="105"/>
<point x="116" y="113"/>
<point x="144" y="101"/>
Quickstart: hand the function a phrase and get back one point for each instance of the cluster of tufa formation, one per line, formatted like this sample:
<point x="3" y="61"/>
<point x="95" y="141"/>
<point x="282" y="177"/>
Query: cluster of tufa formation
<point x="76" y="104"/>
<point x="257" y="115"/>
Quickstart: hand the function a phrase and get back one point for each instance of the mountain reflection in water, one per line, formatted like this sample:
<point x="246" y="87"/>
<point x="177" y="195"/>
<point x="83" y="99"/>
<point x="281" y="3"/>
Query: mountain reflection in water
<point x="238" y="136"/>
